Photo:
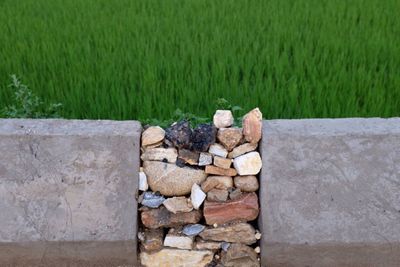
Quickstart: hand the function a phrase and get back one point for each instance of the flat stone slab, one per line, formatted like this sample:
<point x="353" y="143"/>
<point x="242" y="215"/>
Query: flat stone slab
<point x="68" y="192"/>
<point x="330" y="192"/>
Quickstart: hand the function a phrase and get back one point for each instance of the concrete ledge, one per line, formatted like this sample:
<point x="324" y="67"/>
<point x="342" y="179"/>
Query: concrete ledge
<point x="68" y="192"/>
<point x="330" y="192"/>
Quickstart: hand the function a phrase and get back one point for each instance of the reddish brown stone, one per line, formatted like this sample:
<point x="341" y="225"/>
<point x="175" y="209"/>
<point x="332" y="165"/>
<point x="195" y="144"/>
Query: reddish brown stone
<point x="245" y="208"/>
<point x="252" y="126"/>
<point x="161" y="217"/>
<point x="151" y="239"/>
<point x="211" y="169"/>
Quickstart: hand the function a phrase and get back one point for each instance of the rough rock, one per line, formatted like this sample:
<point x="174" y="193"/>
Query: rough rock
<point x="210" y="169"/>
<point x="189" y="157"/>
<point x="218" y="150"/>
<point x="233" y="233"/>
<point x="193" y="229"/>
<point x="179" y="134"/>
<point x="222" y="162"/>
<point x="171" y="180"/>
<point x="252" y="126"/>
<point x="242" y="149"/>
<point x="178" y="204"/>
<point x="152" y="200"/>
<point x="220" y="195"/>
<point x="239" y="255"/>
<point x="230" y="137"/>
<point x="178" y="241"/>
<point x="169" y="257"/>
<point x="160" y="154"/>
<point x="223" y="118"/>
<point x="248" y="164"/>
<point x="152" y="239"/>
<point x="209" y="245"/>
<point x="235" y="194"/>
<point x="205" y="159"/>
<point x="161" y="217"/>
<point x="197" y="196"/>
<point x="202" y="137"/>
<point x="245" y="208"/>
<point x="247" y="183"/>
<point x="218" y="182"/>
<point x="143" y="185"/>
<point x="152" y="135"/>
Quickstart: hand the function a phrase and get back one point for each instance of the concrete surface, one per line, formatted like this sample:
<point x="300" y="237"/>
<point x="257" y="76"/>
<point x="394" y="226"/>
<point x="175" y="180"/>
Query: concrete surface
<point x="330" y="192"/>
<point x="68" y="192"/>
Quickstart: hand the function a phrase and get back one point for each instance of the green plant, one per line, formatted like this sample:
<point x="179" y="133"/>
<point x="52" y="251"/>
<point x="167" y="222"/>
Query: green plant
<point x="27" y="104"/>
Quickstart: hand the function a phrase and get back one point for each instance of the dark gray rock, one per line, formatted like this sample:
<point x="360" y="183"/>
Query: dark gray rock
<point x="202" y="137"/>
<point x="179" y="134"/>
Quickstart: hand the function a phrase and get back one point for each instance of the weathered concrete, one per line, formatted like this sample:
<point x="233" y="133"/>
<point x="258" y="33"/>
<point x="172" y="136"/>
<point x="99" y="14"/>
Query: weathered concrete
<point x="330" y="192"/>
<point x="68" y="192"/>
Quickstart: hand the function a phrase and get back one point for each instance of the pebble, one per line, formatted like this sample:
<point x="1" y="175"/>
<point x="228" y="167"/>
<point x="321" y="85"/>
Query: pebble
<point x="193" y="229"/>
<point x="248" y="164"/>
<point x="143" y="185"/>
<point x="222" y="162"/>
<point x="223" y="118"/>
<point x="218" y="150"/>
<point x="152" y="135"/>
<point x="178" y="204"/>
<point x="197" y="196"/>
<point x="205" y="159"/>
<point x="247" y="183"/>
<point x="152" y="200"/>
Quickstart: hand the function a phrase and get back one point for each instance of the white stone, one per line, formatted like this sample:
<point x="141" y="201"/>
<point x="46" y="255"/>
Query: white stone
<point x="197" y="196"/>
<point x="169" y="257"/>
<point x="152" y="135"/>
<point x="218" y="150"/>
<point x="248" y="164"/>
<point x="223" y="118"/>
<point x="205" y="159"/>
<point x="160" y="154"/>
<point x="143" y="185"/>
<point x="178" y="241"/>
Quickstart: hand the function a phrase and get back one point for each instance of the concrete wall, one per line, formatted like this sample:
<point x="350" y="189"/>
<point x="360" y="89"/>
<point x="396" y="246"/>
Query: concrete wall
<point x="68" y="192"/>
<point x="330" y="192"/>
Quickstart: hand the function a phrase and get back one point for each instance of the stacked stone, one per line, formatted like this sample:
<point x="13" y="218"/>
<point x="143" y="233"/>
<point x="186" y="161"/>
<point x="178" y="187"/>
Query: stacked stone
<point x="202" y="203"/>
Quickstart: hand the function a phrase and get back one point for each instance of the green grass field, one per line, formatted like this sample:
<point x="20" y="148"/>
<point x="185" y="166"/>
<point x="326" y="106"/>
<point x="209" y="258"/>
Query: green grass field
<point x="132" y="59"/>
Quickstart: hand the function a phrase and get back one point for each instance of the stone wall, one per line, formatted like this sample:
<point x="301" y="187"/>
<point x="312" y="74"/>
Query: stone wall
<point x="67" y="191"/>
<point x="330" y="192"/>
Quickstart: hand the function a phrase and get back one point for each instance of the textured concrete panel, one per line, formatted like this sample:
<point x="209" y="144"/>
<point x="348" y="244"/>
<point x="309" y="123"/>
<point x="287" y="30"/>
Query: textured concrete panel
<point x="68" y="188"/>
<point x="330" y="192"/>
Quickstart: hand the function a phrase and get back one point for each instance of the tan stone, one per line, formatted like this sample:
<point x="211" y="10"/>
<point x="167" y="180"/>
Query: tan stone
<point x="252" y="126"/>
<point x="208" y="245"/>
<point x="190" y="157"/>
<point x="218" y="182"/>
<point x="160" y="154"/>
<point x="247" y="183"/>
<point x="242" y="149"/>
<point x="239" y="255"/>
<point x="211" y="169"/>
<point x="178" y="204"/>
<point x="223" y="118"/>
<point x="233" y="233"/>
<point x="222" y="162"/>
<point x="171" y="180"/>
<point x="152" y="135"/>
<point x="169" y="257"/>
<point x="230" y="137"/>
<point x="244" y="208"/>
<point x="248" y="164"/>
<point x="217" y="195"/>
<point x="161" y="217"/>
